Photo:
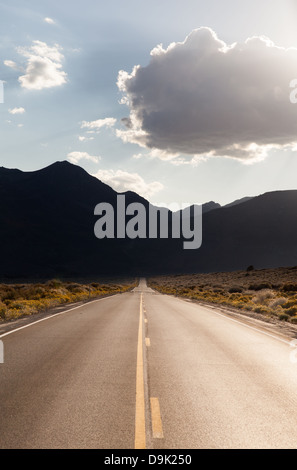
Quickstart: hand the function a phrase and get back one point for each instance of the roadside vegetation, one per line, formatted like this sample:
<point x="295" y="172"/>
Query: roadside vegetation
<point x="18" y="300"/>
<point x="270" y="292"/>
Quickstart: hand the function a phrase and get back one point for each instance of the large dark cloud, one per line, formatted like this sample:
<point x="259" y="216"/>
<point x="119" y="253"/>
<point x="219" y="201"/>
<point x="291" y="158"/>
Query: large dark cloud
<point x="204" y="97"/>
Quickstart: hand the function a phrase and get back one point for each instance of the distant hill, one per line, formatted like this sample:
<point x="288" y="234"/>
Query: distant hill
<point x="47" y="230"/>
<point x="261" y="231"/>
<point x="210" y="206"/>
<point x="238" y="201"/>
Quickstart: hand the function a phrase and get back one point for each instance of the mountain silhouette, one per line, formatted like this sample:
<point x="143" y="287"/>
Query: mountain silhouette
<point x="47" y="230"/>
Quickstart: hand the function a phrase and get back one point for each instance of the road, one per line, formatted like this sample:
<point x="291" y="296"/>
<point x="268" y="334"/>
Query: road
<point x="145" y="370"/>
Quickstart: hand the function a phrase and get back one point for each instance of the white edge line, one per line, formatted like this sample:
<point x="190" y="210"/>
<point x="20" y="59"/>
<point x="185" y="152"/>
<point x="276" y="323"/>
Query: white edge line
<point x="254" y="328"/>
<point x="54" y="315"/>
<point x="244" y="324"/>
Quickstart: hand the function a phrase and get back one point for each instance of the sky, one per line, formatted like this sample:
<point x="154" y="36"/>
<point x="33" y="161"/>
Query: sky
<point x="181" y="101"/>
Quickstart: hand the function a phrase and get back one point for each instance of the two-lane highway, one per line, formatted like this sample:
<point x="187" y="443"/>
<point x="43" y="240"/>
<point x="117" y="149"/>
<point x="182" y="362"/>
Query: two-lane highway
<point x="142" y="369"/>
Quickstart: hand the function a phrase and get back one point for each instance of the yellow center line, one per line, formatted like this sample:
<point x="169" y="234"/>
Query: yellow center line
<point x="140" y="442"/>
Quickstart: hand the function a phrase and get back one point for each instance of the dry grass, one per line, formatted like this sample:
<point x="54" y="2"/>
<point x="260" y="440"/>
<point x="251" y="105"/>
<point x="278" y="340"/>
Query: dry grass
<point x="271" y="292"/>
<point x="18" y="300"/>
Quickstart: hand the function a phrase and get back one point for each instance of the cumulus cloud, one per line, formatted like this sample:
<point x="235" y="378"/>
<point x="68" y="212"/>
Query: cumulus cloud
<point x="17" y="111"/>
<point x="75" y="157"/>
<point x="44" y="66"/>
<point x="122" y="181"/>
<point x="95" y="126"/>
<point x="205" y="98"/>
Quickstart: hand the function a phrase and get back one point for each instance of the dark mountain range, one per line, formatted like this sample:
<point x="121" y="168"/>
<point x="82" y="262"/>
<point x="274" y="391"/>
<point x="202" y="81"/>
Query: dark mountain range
<point x="209" y="206"/>
<point x="238" y="201"/>
<point x="47" y="230"/>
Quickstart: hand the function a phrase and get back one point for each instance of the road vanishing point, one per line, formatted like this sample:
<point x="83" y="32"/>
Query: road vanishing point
<point x="142" y="370"/>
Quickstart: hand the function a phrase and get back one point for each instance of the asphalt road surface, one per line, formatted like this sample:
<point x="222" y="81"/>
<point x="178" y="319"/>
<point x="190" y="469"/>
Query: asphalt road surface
<point x="145" y="370"/>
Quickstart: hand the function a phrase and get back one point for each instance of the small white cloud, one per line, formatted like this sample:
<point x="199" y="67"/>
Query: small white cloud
<point x="95" y="126"/>
<point x="82" y="138"/>
<point x="17" y="111"/>
<point x="44" y="66"/>
<point x="11" y="64"/>
<point x="122" y="181"/>
<point x="75" y="157"/>
<point x="49" y="20"/>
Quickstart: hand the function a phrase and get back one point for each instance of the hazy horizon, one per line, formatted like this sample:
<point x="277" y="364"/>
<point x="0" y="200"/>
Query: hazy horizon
<point x="119" y="191"/>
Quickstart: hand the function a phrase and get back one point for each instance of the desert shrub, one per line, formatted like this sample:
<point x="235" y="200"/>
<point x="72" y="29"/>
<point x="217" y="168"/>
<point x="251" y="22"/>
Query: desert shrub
<point x="3" y="310"/>
<point x="289" y="287"/>
<point x="74" y="286"/>
<point x="244" y="298"/>
<point x="276" y="286"/>
<point x="283" y="317"/>
<point x="55" y="283"/>
<point x="293" y="319"/>
<point x="26" y="299"/>
<point x="260" y="309"/>
<point x="9" y="294"/>
<point x="290" y="303"/>
<point x="235" y="289"/>
<point x="240" y="305"/>
<point x="184" y="291"/>
<point x="33" y="292"/>
<point x="262" y="296"/>
<point x="291" y="311"/>
<point x="260" y="286"/>
<point x="16" y="305"/>
<point x="279" y="301"/>
<point x="249" y="306"/>
<point x="233" y="296"/>
<point x="95" y="285"/>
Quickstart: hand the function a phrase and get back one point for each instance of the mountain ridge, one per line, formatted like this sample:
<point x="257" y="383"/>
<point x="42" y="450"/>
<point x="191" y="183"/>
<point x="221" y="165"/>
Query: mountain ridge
<point x="47" y="230"/>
